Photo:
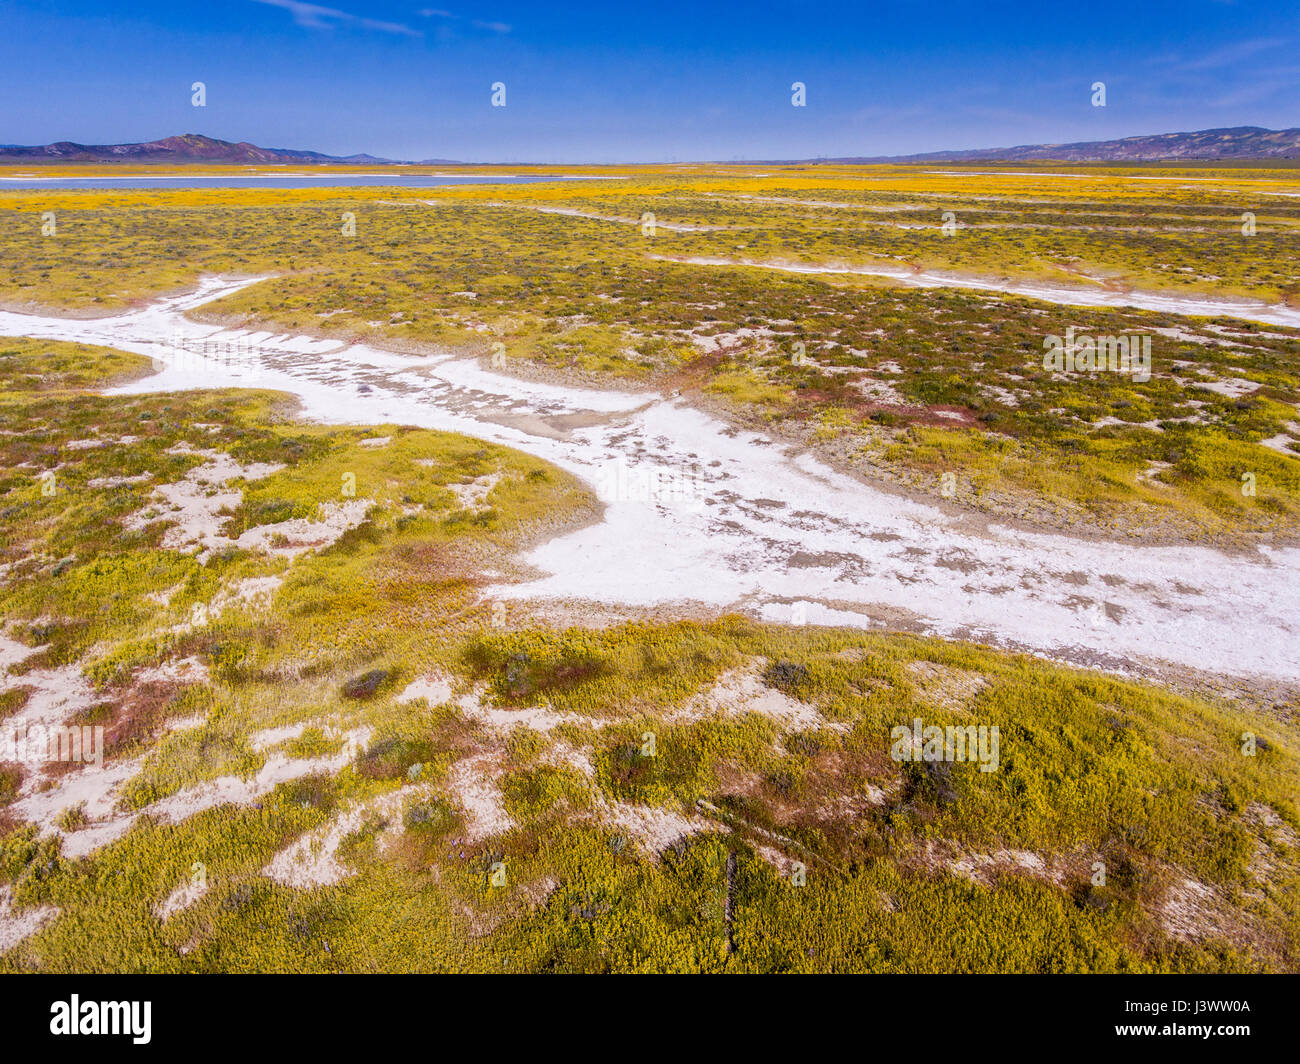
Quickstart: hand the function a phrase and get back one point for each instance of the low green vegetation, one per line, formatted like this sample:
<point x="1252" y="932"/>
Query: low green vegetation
<point x="899" y="384"/>
<point x="465" y="795"/>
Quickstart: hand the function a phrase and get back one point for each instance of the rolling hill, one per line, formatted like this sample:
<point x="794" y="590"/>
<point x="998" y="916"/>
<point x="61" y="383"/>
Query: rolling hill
<point x="190" y="148"/>
<point x="1237" y="142"/>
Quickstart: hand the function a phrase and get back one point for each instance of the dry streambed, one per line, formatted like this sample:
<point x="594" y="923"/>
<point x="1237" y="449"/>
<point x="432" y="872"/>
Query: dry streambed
<point x="700" y="513"/>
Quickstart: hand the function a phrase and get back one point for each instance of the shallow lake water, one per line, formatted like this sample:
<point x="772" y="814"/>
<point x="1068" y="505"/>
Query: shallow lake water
<point x="296" y="180"/>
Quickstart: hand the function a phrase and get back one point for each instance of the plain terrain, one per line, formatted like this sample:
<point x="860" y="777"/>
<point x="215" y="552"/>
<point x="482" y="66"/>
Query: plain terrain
<point x="329" y="750"/>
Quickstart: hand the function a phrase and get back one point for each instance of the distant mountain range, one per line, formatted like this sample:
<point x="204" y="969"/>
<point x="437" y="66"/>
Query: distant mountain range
<point x="190" y="148"/>
<point x="1238" y="142"/>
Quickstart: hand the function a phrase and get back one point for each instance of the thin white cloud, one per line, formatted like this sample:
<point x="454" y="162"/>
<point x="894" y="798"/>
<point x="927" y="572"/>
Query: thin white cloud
<point x="316" y="17"/>
<point x="477" y="23"/>
<point x="1252" y="94"/>
<point x="1232" y="54"/>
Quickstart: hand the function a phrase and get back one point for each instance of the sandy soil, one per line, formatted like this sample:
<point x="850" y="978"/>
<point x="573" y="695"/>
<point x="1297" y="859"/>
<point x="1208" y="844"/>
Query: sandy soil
<point x="739" y="692"/>
<point x="312" y="860"/>
<point x="1067" y="295"/>
<point x="14" y="927"/>
<point x="473" y="781"/>
<point x="196" y="502"/>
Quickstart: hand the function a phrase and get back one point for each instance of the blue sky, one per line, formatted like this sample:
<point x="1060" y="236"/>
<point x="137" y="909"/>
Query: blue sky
<point x="664" y="81"/>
